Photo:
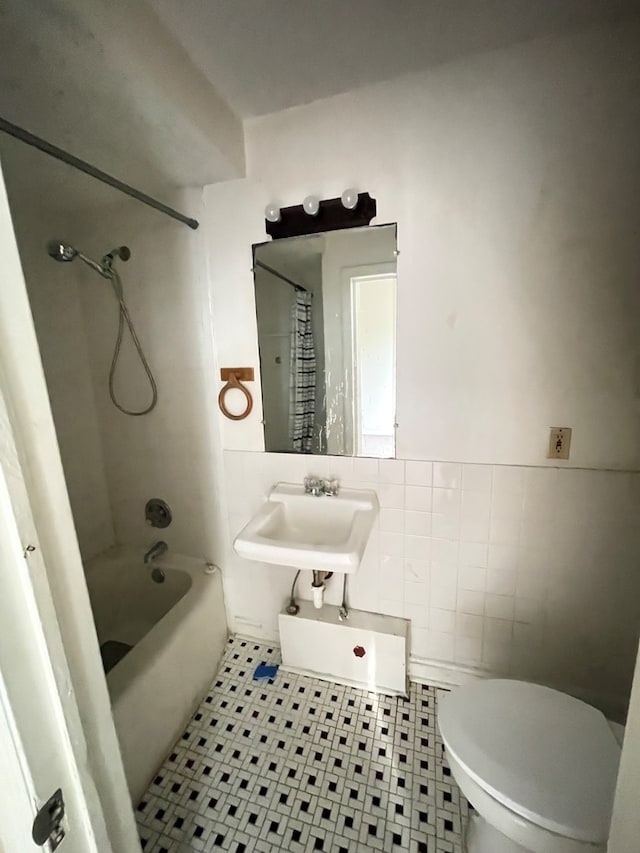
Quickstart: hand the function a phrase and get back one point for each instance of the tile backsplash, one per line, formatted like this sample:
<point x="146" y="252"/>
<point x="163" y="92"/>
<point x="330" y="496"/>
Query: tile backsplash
<point x="523" y="571"/>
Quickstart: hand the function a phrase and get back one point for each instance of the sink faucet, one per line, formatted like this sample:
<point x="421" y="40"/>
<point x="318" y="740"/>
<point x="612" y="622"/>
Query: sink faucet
<point x="313" y="486"/>
<point x="157" y="550"/>
<point x="331" y="487"/>
<point x="318" y="487"/>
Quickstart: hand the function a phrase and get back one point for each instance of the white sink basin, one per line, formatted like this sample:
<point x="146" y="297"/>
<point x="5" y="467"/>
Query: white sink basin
<point x="292" y="528"/>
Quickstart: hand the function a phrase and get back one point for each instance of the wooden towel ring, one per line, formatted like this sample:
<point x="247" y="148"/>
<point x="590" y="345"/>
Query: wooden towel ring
<point x="234" y="377"/>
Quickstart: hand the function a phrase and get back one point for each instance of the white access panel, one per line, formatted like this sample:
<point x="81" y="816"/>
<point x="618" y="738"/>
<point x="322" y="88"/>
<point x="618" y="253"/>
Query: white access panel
<point x="367" y="650"/>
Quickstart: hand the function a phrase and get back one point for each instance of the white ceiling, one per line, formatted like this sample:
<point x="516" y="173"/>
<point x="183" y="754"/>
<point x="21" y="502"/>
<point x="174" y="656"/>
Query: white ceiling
<point x="107" y="82"/>
<point x="267" y="55"/>
<point x="153" y="91"/>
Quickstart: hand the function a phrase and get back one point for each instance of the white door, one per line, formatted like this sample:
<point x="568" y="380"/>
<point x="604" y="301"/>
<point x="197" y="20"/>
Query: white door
<point x="373" y="313"/>
<point x="36" y="758"/>
<point x="43" y="740"/>
<point x="16" y="788"/>
<point x="625" y="822"/>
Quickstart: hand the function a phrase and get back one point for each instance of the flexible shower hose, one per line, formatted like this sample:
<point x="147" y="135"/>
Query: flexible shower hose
<point x="122" y="319"/>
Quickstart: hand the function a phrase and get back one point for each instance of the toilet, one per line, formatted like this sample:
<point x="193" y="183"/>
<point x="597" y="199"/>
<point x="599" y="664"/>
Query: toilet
<point x="538" y="766"/>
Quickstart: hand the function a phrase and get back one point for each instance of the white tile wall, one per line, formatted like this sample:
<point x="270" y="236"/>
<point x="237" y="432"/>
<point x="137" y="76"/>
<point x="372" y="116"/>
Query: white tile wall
<point x="113" y="463"/>
<point x="530" y="572"/>
<point x="173" y="452"/>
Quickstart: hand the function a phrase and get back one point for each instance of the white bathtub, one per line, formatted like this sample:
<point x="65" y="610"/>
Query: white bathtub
<point x="177" y="630"/>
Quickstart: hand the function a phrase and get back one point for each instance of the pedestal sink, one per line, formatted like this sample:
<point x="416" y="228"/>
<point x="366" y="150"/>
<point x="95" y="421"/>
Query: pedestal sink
<point x="326" y="533"/>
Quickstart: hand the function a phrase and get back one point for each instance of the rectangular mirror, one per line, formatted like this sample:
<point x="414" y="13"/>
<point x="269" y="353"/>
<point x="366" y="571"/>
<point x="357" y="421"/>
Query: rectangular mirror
<point x="326" y="311"/>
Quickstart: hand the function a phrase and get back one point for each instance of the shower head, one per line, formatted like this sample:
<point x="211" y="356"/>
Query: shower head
<point x="60" y="251"/>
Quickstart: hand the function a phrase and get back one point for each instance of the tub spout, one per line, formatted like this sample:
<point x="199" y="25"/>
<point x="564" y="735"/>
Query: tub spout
<point x="156" y="550"/>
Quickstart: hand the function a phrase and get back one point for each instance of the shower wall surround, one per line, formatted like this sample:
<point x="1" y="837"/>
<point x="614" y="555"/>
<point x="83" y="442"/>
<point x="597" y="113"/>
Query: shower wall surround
<point x="173" y="452"/>
<point x="114" y="463"/>
<point x="55" y="298"/>
<point x="524" y="571"/>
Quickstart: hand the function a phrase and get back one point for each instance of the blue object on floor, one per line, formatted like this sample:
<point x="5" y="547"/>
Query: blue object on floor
<point x="265" y="672"/>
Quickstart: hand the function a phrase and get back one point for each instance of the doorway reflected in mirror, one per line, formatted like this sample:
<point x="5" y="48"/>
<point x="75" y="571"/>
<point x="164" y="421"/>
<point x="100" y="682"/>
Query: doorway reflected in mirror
<point x="326" y="314"/>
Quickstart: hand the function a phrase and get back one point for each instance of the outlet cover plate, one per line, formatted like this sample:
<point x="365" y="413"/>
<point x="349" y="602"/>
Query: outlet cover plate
<point x="559" y="443"/>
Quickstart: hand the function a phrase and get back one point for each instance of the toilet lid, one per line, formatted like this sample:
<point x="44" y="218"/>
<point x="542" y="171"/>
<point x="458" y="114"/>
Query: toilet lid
<point x="546" y="756"/>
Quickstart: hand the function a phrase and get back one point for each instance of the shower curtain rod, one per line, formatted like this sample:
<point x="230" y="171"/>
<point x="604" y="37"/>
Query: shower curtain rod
<point x="279" y="275"/>
<point x="59" y="154"/>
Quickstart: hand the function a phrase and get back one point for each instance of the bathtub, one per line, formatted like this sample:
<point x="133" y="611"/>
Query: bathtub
<point x="162" y="643"/>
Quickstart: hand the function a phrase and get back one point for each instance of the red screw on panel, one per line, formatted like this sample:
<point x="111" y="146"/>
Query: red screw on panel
<point x="359" y="651"/>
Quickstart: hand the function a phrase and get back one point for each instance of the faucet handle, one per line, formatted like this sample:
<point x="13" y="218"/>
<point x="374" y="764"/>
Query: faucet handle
<point x="312" y="486"/>
<point x="331" y="487"/>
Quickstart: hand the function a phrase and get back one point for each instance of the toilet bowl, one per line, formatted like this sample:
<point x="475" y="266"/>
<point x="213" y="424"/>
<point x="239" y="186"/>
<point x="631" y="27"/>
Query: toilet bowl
<point x="538" y="766"/>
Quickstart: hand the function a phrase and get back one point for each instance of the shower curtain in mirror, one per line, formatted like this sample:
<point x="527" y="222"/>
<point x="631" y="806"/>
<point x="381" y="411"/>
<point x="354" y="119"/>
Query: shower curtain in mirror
<point x="302" y="377"/>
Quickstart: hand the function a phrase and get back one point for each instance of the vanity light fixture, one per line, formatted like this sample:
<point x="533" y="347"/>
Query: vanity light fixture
<point x="314" y="216"/>
<point x="272" y="213"/>
<point x="311" y="205"/>
<point x="349" y="198"/>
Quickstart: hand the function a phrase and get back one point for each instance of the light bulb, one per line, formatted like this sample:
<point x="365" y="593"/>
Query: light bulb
<point x="272" y="213"/>
<point x="349" y="198"/>
<point x="311" y="205"/>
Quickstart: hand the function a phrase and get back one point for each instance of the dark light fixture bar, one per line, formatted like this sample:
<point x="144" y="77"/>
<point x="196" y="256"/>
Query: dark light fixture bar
<point x="332" y="215"/>
<point x="279" y="275"/>
<point x="59" y="154"/>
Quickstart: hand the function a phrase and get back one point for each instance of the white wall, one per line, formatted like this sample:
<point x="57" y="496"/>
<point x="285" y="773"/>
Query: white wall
<point x="511" y="177"/>
<point x="171" y="452"/>
<point x="55" y="298"/>
<point x="625" y="821"/>
<point x="114" y="463"/>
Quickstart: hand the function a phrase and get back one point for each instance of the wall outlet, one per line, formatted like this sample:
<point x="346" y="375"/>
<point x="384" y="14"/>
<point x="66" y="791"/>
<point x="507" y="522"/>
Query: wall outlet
<point x="559" y="443"/>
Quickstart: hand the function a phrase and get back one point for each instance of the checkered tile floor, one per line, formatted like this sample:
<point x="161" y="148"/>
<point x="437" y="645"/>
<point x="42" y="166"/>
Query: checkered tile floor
<point x="299" y="764"/>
